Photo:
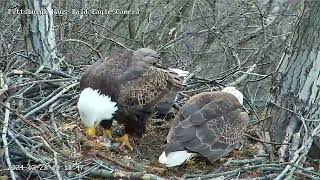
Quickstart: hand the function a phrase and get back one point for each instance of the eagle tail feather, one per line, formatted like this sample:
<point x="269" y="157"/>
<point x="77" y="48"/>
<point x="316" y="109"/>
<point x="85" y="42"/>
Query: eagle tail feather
<point x="175" y="158"/>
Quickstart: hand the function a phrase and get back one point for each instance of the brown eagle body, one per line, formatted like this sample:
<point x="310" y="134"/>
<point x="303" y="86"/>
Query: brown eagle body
<point x="135" y="83"/>
<point x="210" y="123"/>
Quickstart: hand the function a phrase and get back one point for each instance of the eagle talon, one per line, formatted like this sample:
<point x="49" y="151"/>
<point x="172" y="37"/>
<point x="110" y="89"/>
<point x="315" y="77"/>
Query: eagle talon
<point x="124" y="141"/>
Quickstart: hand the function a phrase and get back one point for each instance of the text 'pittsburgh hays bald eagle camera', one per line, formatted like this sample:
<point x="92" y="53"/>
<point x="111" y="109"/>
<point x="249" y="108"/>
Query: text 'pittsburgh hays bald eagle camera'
<point x="125" y="87"/>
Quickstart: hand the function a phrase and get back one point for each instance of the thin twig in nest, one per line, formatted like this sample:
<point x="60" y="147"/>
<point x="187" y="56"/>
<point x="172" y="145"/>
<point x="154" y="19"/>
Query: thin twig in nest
<point x="51" y="100"/>
<point x="298" y="158"/>
<point x="234" y="172"/>
<point x="5" y="143"/>
<point x="43" y="134"/>
<point x="274" y="143"/>
<point x="116" y="162"/>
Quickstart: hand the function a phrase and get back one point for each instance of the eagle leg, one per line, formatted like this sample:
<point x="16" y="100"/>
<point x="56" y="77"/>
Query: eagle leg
<point x="124" y="141"/>
<point x="108" y="133"/>
<point x="91" y="131"/>
<point x="106" y="125"/>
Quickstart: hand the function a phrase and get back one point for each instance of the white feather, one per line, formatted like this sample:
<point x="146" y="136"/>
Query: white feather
<point x="181" y="73"/>
<point x="175" y="158"/>
<point x="235" y="92"/>
<point x="94" y="107"/>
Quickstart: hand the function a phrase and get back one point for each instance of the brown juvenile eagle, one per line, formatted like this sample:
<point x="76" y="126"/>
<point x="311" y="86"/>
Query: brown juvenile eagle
<point x="210" y="124"/>
<point x="125" y="87"/>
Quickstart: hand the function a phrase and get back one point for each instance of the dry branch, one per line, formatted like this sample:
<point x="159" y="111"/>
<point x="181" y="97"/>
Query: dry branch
<point x="123" y="174"/>
<point x="237" y="171"/>
<point x="299" y="155"/>
<point x="5" y="142"/>
<point x="65" y="89"/>
<point x="244" y="76"/>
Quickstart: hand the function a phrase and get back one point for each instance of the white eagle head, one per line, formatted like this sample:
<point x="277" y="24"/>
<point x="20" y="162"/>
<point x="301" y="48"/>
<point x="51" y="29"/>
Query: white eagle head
<point x="147" y="55"/>
<point x="146" y="52"/>
<point x="235" y="92"/>
<point x="94" y="107"/>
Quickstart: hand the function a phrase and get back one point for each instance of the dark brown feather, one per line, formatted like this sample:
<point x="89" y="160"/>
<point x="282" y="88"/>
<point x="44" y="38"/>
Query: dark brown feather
<point x="134" y="83"/>
<point x="209" y="123"/>
<point x="164" y="106"/>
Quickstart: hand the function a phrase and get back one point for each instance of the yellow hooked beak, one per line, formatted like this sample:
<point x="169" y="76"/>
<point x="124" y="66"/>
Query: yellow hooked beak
<point x="91" y="132"/>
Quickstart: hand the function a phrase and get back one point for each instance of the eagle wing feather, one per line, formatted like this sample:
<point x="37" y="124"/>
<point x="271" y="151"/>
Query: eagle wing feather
<point x="212" y="129"/>
<point x="135" y="83"/>
<point x="146" y="91"/>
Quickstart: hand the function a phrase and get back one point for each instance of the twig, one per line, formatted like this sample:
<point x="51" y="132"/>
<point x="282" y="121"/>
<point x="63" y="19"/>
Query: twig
<point x="116" y="162"/>
<point x="244" y="161"/>
<point x="56" y="165"/>
<point x="100" y="163"/>
<point x="191" y="75"/>
<point x="5" y="143"/>
<point x="28" y="154"/>
<point x="234" y="172"/>
<point x="79" y="41"/>
<point x="4" y="89"/>
<point x="123" y="175"/>
<point x="55" y="72"/>
<point x="244" y="76"/>
<point x="44" y="161"/>
<point x="44" y="135"/>
<point x="51" y="100"/>
<point x="307" y="171"/>
<point x="296" y="157"/>
<point x="22" y="118"/>
<point x="43" y="100"/>
<point x="259" y="140"/>
<point x="54" y="124"/>
<point x="42" y="81"/>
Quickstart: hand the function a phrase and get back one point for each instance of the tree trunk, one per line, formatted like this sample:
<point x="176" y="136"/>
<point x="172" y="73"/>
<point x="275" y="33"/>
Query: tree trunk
<point x="295" y="95"/>
<point x="39" y="30"/>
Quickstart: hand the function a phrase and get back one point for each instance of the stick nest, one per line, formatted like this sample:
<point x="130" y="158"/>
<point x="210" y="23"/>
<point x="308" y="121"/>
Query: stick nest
<point x="43" y="137"/>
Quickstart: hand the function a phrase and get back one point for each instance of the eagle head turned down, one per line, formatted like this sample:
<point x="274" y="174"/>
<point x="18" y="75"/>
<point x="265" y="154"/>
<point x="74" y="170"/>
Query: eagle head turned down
<point x="235" y="92"/>
<point x="125" y="87"/>
<point x="95" y="107"/>
<point x="147" y="55"/>
<point x="146" y="52"/>
<point x="210" y="124"/>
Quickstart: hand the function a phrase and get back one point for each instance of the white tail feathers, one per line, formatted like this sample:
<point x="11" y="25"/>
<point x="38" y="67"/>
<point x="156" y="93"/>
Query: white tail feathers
<point x="175" y="158"/>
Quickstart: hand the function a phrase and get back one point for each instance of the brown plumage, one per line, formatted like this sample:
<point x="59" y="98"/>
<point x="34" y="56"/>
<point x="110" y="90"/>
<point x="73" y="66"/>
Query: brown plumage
<point x="164" y="106"/>
<point x="135" y="82"/>
<point x="210" y="123"/>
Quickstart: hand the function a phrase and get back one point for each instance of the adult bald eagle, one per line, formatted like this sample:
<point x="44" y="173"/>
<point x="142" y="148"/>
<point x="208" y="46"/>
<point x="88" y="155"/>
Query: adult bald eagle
<point x="125" y="87"/>
<point x="210" y="123"/>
